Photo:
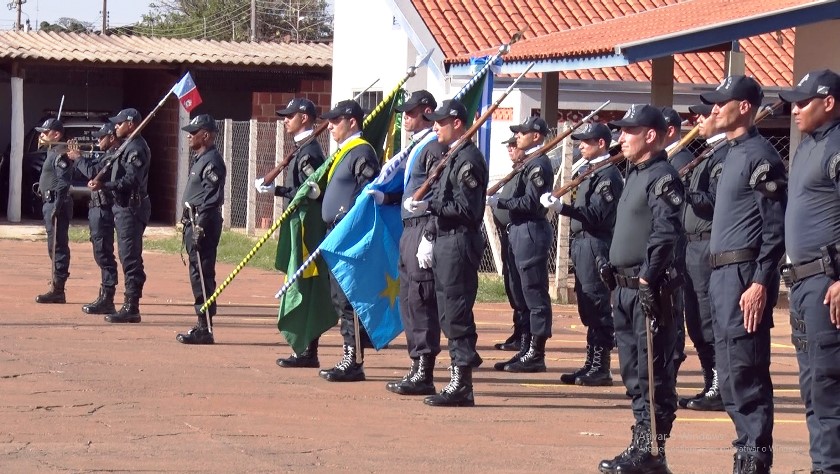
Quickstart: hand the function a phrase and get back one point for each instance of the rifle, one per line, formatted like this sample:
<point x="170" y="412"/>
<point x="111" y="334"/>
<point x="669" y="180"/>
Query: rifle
<point x="453" y="150"/>
<point x="708" y="152"/>
<point x="275" y="172"/>
<point x="688" y="138"/>
<point x="548" y="146"/>
<point x="613" y="160"/>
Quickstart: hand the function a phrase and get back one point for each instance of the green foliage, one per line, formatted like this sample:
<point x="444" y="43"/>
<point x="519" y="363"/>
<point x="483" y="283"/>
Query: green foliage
<point x="67" y="25"/>
<point x="491" y="288"/>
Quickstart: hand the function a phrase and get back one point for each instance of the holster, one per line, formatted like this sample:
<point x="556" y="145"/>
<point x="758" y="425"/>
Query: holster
<point x="666" y="292"/>
<point x="100" y="199"/>
<point x="607" y="273"/>
<point x="830" y="260"/>
<point x="48" y="195"/>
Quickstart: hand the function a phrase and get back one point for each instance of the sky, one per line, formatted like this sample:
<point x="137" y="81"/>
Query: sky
<point x="121" y="12"/>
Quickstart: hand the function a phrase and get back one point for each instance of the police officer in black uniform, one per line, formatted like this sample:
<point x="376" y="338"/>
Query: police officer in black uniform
<point x="746" y="246"/>
<point x="593" y="220"/>
<point x="697" y="220"/>
<point x="814" y="271"/>
<point x="646" y="231"/>
<point x="458" y="207"/>
<point x="678" y="161"/>
<point x="529" y="237"/>
<point x="298" y="120"/>
<point x="501" y="218"/>
<point x="418" y="305"/>
<point x="357" y="165"/>
<point x="101" y="220"/>
<point x="54" y="187"/>
<point x="205" y="194"/>
<point x="132" y="209"/>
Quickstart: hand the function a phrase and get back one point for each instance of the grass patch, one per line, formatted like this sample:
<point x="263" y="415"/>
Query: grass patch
<point x="491" y="288"/>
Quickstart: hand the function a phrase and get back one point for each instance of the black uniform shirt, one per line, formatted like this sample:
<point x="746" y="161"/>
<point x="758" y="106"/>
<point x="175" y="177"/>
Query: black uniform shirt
<point x="56" y="173"/>
<point x="460" y="195"/>
<point x="425" y="162"/>
<point x="700" y="197"/>
<point x="812" y="219"/>
<point x="130" y="172"/>
<point x="205" y="189"/>
<point x="745" y="216"/>
<point x="358" y="167"/>
<point x="680" y="159"/>
<point x="305" y="161"/>
<point x="596" y="200"/>
<point x="648" y="218"/>
<point x="534" y="180"/>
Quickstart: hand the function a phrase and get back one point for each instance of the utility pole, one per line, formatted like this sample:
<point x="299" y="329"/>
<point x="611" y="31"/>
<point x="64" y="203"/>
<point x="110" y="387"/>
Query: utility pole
<point x="253" y="20"/>
<point x="104" y="16"/>
<point x="18" y="4"/>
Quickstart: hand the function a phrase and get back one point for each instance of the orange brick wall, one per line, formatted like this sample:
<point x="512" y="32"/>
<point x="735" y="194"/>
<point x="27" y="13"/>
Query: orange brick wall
<point x="265" y="104"/>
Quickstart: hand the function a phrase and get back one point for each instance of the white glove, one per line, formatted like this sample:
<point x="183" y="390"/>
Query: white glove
<point x="415" y="207"/>
<point x="550" y="202"/>
<point x="493" y="201"/>
<point x="424" y="253"/>
<point x="378" y="196"/>
<point x="263" y="189"/>
<point x="314" y="190"/>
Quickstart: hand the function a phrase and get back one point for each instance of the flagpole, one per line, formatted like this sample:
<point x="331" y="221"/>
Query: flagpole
<point x="293" y="205"/>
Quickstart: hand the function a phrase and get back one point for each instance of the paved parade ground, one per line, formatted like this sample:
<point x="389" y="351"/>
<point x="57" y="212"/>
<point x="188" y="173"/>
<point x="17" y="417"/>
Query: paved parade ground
<point x="77" y="394"/>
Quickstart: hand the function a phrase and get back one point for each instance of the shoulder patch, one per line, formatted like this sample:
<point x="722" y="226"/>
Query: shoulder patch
<point x="210" y="174"/>
<point x="304" y="165"/>
<point x="759" y="174"/>
<point x="716" y="170"/>
<point x="536" y="176"/>
<point x="61" y="162"/>
<point x="659" y="187"/>
<point x="603" y="188"/>
<point x="665" y="188"/>
<point x="134" y="158"/>
<point x="833" y="165"/>
<point x="363" y="168"/>
<point x="465" y="175"/>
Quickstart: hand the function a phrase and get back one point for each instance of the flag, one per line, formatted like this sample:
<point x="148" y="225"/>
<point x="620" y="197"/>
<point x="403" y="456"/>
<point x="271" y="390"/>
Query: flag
<point x="187" y="92"/>
<point x="482" y="102"/>
<point x="380" y="128"/>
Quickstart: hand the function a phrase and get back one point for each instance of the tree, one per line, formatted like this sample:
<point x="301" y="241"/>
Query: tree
<point x="276" y="20"/>
<point x="67" y="25"/>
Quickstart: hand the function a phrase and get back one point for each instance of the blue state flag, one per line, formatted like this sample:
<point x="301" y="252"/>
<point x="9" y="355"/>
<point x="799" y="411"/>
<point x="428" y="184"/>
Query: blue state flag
<point x="363" y="253"/>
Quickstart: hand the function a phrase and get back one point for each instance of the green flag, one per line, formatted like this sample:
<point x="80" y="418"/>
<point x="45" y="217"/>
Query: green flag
<point x="472" y="99"/>
<point x="306" y="310"/>
<point x="379" y="128"/>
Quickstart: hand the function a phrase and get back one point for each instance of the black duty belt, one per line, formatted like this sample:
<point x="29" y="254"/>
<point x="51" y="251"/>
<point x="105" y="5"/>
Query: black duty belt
<point x="721" y="259"/>
<point x="627" y="277"/>
<point x="461" y="229"/>
<point x="100" y="199"/>
<point x="795" y="273"/>
<point x="415" y="221"/>
<point x="48" y="195"/>
<point x="699" y="237"/>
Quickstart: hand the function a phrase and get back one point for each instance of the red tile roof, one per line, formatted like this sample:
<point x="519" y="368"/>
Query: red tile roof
<point x="555" y="28"/>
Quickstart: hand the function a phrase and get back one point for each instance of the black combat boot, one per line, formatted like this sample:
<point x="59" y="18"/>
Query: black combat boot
<point x="129" y="313"/>
<point x="571" y="378"/>
<point x="599" y="373"/>
<point x="197" y="335"/>
<point x="393" y="386"/>
<point x="643" y="460"/>
<point x="422" y="381"/>
<point x="308" y="358"/>
<point x="533" y="360"/>
<point x="512" y="343"/>
<point x="608" y="465"/>
<point x="711" y="400"/>
<point x="748" y="464"/>
<point x="708" y="377"/>
<point x="459" y="391"/>
<point x="55" y="295"/>
<point x="524" y="346"/>
<point x="104" y="304"/>
<point x="346" y="370"/>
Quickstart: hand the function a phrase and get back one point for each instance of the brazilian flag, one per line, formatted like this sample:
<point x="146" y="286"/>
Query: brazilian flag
<point x="383" y="130"/>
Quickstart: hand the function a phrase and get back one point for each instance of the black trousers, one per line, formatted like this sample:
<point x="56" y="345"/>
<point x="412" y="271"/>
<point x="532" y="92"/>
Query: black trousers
<point x="819" y="369"/>
<point x="101" y="223"/>
<point x="520" y="315"/>
<point x="528" y="270"/>
<point x="593" y="296"/>
<point x="679" y="301"/>
<point x="130" y="223"/>
<point x="698" y="310"/>
<point x="743" y="360"/>
<point x="418" y="302"/>
<point x="57" y="236"/>
<point x="207" y="245"/>
<point x="630" y="327"/>
<point x="455" y="261"/>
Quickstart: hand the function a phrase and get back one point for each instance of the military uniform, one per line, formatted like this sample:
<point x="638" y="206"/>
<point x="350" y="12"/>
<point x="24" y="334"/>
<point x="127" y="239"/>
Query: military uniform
<point x="356" y="169"/>
<point x="54" y="186"/>
<point x="101" y="223"/>
<point x="205" y="192"/>
<point x="814" y="204"/>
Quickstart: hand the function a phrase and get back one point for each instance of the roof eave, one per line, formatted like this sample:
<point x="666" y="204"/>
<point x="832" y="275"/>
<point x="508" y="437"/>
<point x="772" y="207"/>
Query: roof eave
<point x="548" y="65"/>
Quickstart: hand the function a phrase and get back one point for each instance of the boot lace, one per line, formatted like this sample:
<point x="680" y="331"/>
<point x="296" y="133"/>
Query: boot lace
<point x="454" y="380"/>
<point x="347" y="360"/>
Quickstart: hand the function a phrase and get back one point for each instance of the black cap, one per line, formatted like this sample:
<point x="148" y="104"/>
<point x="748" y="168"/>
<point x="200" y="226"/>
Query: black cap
<point x="201" y="122"/>
<point x="107" y="129"/>
<point x="642" y="115"/>
<point x="701" y="109"/>
<point x="735" y="88"/>
<point x="298" y="105"/>
<point x="595" y="131"/>
<point x="672" y="117"/>
<point x="346" y="108"/>
<point x="449" y="108"/>
<point x="51" y="124"/>
<point x="533" y="124"/>
<point x="421" y="97"/>
<point x="510" y="141"/>
<point x="126" y="115"/>
<point x="822" y="83"/>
